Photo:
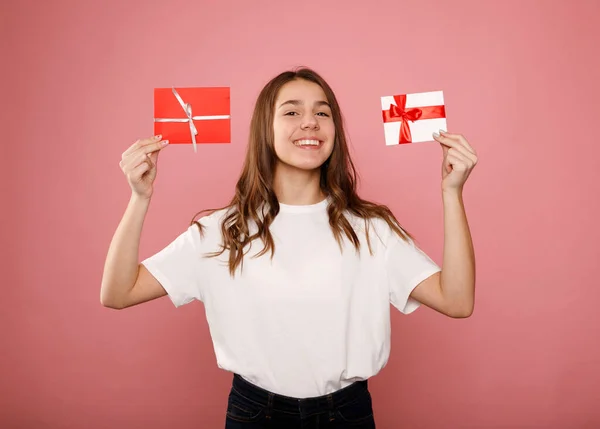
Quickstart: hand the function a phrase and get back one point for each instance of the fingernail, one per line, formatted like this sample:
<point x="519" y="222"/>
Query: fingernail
<point x="157" y="137"/>
<point x="165" y="142"/>
<point x="436" y="135"/>
<point x="442" y="131"/>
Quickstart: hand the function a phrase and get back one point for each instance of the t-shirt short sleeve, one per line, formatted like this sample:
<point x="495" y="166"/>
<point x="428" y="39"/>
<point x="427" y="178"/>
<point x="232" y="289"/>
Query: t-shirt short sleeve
<point x="178" y="267"/>
<point x="407" y="266"/>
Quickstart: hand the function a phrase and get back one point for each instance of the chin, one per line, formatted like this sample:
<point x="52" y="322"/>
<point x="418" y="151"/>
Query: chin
<point x="300" y="165"/>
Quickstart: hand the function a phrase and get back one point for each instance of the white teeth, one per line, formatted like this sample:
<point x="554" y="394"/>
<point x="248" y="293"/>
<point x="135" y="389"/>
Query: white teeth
<point x="306" y="142"/>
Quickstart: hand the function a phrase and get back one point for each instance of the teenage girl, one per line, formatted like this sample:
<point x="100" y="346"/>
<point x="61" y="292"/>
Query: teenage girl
<point x="298" y="272"/>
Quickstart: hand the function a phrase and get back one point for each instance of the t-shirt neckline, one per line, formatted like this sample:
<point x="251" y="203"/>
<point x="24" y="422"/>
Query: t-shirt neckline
<point x="306" y="208"/>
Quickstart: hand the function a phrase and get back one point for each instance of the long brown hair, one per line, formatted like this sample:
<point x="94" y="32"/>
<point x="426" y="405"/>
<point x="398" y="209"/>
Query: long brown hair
<point x="254" y="189"/>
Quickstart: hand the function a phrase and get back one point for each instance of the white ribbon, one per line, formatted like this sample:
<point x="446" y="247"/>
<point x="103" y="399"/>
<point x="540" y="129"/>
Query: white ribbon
<point x="187" y="108"/>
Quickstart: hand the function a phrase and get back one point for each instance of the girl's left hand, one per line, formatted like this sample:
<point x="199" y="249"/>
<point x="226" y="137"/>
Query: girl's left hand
<point x="459" y="160"/>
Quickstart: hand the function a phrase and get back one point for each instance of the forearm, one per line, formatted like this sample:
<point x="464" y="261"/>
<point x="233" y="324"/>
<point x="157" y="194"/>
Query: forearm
<point x="122" y="260"/>
<point x="458" y="269"/>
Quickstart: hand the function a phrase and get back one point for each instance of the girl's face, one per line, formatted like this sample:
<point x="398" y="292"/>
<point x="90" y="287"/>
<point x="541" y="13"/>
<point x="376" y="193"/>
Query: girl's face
<point x="303" y="127"/>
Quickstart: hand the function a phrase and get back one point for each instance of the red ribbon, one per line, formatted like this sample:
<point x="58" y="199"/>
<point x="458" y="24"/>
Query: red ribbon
<point x="399" y="113"/>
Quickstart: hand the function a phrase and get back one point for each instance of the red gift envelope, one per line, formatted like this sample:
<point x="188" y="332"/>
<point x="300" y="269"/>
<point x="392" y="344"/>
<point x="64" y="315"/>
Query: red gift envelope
<point x="192" y="115"/>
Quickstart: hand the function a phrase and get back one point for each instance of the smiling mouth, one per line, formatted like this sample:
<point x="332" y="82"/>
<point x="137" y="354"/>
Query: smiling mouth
<point x="308" y="143"/>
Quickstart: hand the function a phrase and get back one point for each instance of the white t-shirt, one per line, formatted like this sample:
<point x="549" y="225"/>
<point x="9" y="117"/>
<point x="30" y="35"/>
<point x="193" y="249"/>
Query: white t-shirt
<point x="308" y="322"/>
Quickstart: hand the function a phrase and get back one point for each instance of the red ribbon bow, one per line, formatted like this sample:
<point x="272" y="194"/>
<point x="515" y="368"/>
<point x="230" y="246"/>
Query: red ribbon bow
<point x="399" y="113"/>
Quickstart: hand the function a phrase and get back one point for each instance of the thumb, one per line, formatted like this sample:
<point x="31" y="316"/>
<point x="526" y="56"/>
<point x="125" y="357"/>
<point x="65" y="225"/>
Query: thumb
<point x="445" y="150"/>
<point x="154" y="157"/>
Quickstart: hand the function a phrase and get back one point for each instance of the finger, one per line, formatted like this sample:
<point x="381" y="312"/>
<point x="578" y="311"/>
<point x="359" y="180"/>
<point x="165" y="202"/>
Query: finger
<point x="458" y="164"/>
<point x="139" y="171"/>
<point x="139" y="144"/>
<point x="154" y="147"/>
<point x="461" y="157"/>
<point x="452" y="143"/>
<point x="151" y="148"/>
<point x="446" y="165"/>
<point x="153" y="157"/>
<point x="144" y="151"/>
<point x="134" y="161"/>
<point x="445" y="150"/>
<point x="461" y="139"/>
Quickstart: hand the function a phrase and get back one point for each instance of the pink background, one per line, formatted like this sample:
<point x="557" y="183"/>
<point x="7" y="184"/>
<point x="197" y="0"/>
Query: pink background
<point x="521" y="83"/>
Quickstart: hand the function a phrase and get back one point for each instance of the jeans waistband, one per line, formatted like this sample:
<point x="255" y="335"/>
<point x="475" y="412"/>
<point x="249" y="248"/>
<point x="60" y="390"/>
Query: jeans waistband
<point x="296" y="405"/>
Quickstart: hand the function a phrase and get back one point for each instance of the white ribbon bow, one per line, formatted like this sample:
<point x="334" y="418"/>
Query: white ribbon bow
<point x="187" y="108"/>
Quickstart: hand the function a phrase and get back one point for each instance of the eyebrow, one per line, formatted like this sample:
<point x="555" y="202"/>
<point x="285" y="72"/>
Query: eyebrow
<point x="298" y="103"/>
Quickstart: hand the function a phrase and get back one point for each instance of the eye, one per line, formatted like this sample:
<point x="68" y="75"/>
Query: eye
<point x="290" y="113"/>
<point x="323" y="114"/>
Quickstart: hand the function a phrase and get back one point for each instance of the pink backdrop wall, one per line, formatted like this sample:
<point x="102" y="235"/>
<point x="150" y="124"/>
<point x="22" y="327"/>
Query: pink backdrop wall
<point x="520" y="81"/>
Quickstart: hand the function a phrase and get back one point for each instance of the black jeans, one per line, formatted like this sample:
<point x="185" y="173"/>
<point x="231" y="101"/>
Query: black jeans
<point x="250" y="407"/>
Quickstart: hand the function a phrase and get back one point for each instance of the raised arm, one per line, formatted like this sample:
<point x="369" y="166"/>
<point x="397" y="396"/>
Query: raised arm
<point x="125" y="282"/>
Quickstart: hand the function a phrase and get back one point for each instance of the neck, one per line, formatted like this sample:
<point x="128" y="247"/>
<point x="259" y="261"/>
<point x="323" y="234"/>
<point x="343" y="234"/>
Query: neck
<point x="297" y="187"/>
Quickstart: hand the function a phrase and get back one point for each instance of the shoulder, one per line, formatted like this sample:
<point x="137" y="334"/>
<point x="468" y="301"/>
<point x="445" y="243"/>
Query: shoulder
<point x="212" y="219"/>
<point x="377" y="230"/>
<point x="208" y="227"/>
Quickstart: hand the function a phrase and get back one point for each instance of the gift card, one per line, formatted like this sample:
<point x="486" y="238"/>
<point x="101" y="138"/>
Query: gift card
<point x="413" y="118"/>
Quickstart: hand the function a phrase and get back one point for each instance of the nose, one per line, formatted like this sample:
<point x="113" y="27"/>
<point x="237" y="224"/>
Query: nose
<point x="309" y="122"/>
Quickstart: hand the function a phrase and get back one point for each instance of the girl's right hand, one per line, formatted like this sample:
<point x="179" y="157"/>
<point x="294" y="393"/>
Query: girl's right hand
<point x="138" y="163"/>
